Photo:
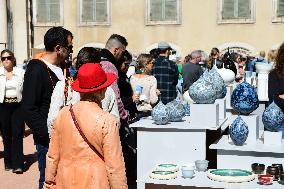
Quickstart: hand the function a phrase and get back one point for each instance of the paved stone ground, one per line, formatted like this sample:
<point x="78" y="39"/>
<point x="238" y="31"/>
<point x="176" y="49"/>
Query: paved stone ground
<point x="29" y="179"/>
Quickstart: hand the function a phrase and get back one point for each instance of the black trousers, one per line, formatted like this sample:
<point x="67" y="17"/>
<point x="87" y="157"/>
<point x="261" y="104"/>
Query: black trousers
<point x="12" y="128"/>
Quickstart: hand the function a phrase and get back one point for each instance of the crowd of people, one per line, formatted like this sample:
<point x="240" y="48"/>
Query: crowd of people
<point x="80" y="114"/>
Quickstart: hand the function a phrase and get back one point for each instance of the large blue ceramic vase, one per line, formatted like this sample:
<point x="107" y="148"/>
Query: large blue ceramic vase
<point x="202" y="91"/>
<point x="244" y="99"/>
<point x="176" y="110"/>
<point x="273" y="117"/>
<point x="160" y="114"/>
<point x="238" y="131"/>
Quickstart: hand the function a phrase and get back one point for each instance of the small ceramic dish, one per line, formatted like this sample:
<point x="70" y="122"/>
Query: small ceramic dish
<point x="265" y="179"/>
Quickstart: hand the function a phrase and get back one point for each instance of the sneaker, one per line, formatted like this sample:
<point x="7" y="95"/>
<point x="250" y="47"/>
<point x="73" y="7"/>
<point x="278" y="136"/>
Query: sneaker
<point x="18" y="171"/>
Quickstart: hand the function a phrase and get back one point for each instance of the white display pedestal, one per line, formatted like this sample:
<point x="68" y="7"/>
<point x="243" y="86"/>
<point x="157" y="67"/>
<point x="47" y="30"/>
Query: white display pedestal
<point x="262" y="86"/>
<point x="241" y="157"/>
<point x="252" y="122"/>
<point x="198" y="112"/>
<point x="176" y="142"/>
<point x="200" y="180"/>
<point x="272" y="138"/>
<point x="230" y="89"/>
<point x="222" y="107"/>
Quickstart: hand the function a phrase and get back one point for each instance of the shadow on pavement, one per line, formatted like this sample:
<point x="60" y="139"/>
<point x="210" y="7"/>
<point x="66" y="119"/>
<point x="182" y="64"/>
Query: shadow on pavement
<point x="29" y="160"/>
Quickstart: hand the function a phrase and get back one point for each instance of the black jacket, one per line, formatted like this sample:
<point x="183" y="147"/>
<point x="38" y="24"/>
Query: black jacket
<point x="38" y="86"/>
<point x="276" y="88"/>
<point x="190" y="73"/>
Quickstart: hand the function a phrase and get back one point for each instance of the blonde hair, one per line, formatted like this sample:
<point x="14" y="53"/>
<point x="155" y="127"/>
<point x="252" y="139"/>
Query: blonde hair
<point x="271" y="56"/>
<point x="143" y="60"/>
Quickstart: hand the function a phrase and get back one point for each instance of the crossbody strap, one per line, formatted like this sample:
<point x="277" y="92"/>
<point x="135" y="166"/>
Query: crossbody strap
<point x="82" y="134"/>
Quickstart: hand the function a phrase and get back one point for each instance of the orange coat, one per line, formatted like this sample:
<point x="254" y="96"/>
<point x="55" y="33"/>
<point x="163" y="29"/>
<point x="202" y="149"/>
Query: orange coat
<point x="72" y="164"/>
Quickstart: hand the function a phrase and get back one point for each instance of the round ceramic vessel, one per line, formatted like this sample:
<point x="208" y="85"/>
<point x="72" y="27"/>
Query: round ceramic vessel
<point x="202" y="91"/>
<point x="238" y="131"/>
<point x="227" y="75"/>
<point x="176" y="110"/>
<point x="167" y="167"/>
<point x="160" y="114"/>
<point x="163" y="175"/>
<point x="231" y="175"/>
<point x="272" y="117"/>
<point x="186" y="107"/>
<point x="244" y="99"/>
<point x="201" y="165"/>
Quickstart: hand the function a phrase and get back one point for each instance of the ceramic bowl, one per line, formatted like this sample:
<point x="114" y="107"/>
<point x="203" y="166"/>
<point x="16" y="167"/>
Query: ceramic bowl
<point x="280" y="167"/>
<point x="258" y="168"/>
<point x="274" y="171"/>
<point x="281" y="177"/>
<point x="187" y="173"/>
<point x="263" y="67"/>
<point x="201" y="165"/>
<point x="265" y="179"/>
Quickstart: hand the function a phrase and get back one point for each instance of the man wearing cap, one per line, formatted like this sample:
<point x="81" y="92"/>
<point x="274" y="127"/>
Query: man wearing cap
<point x="166" y="73"/>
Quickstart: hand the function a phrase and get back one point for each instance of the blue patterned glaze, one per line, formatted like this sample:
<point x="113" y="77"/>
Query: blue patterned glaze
<point x="217" y="82"/>
<point x="224" y="91"/>
<point x="160" y="114"/>
<point x="272" y="117"/>
<point x="244" y="99"/>
<point x="176" y="110"/>
<point x="186" y="107"/>
<point x="238" y="131"/>
<point x="202" y="91"/>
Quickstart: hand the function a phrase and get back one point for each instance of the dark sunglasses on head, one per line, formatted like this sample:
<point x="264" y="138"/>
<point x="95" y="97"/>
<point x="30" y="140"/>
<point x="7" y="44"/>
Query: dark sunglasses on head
<point x="7" y="57"/>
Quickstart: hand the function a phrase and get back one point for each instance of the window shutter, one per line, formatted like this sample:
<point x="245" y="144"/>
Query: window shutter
<point x="228" y="9"/>
<point x="48" y="11"/>
<point x="243" y="8"/>
<point x="54" y="13"/>
<point x="280" y="8"/>
<point x="170" y="10"/>
<point x="156" y="10"/>
<point x="87" y="11"/>
<point x="101" y="11"/>
<point x="42" y="11"/>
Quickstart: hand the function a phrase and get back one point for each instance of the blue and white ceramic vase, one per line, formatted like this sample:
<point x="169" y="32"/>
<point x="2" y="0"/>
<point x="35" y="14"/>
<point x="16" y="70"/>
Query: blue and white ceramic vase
<point x="176" y="110"/>
<point x="202" y="91"/>
<point x="273" y="117"/>
<point x="160" y="114"/>
<point x="239" y="131"/>
<point x="186" y="107"/>
<point x="244" y="99"/>
<point x="217" y="82"/>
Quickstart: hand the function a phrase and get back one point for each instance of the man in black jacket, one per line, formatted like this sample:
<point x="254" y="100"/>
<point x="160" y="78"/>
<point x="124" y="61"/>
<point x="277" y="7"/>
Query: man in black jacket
<point x="40" y="79"/>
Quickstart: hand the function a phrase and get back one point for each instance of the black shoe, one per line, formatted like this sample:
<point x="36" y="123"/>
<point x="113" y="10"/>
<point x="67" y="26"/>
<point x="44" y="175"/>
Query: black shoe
<point x="18" y="171"/>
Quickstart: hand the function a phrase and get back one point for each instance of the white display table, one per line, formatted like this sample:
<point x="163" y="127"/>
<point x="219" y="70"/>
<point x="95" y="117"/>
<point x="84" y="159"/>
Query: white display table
<point x="177" y="142"/>
<point x="243" y="156"/>
<point x="200" y="180"/>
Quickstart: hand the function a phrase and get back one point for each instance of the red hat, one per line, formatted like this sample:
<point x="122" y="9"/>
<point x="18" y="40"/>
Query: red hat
<point x="91" y="77"/>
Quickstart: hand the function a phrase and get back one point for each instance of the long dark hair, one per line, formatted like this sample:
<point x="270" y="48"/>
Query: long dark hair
<point x="11" y="54"/>
<point x="279" y="66"/>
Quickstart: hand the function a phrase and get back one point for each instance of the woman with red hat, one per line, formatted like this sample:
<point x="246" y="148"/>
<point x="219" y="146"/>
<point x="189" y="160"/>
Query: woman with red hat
<point x="85" y="149"/>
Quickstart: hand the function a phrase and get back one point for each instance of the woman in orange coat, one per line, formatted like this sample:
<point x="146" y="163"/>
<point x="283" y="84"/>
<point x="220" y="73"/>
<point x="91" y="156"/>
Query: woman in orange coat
<point x="96" y="161"/>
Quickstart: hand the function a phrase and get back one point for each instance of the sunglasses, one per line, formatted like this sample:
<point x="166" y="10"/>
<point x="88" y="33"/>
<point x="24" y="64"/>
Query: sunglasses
<point x="7" y="57"/>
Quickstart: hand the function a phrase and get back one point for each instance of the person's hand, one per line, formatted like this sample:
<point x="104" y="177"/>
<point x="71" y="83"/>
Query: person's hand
<point x="281" y="96"/>
<point x="135" y="97"/>
<point x="158" y="92"/>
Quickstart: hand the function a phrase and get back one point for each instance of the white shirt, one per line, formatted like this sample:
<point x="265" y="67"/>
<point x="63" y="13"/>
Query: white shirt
<point x="11" y="87"/>
<point x="55" y="69"/>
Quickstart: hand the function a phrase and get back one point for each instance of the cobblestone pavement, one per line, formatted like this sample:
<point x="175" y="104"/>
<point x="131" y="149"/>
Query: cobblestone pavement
<point x="29" y="179"/>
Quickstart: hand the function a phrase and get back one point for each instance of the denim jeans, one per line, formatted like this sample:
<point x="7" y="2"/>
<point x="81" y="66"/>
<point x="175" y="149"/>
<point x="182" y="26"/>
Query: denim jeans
<point x="41" y="156"/>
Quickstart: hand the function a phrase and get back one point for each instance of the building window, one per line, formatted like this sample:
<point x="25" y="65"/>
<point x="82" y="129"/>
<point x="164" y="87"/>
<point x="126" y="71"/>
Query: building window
<point x="278" y="11"/>
<point x="94" y="12"/>
<point x="163" y="12"/>
<point x="236" y="11"/>
<point x="48" y="12"/>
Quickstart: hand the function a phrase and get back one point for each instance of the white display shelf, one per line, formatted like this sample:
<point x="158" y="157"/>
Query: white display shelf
<point x="201" y="180"/>
<point x="225" y="144"/>
<point x="148" y="123"/>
